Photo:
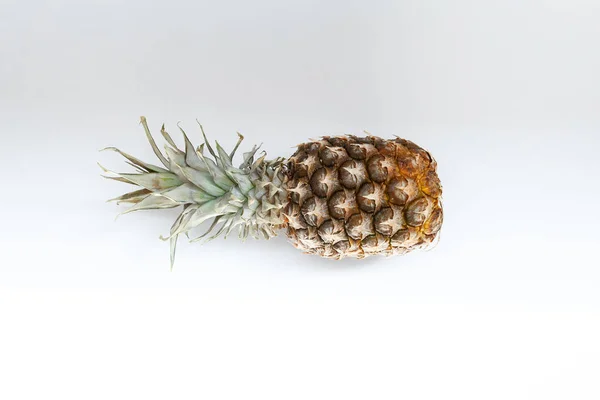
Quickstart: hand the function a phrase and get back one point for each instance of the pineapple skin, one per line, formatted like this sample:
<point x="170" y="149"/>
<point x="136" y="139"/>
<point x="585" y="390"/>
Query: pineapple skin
<point x="354" y="196"/>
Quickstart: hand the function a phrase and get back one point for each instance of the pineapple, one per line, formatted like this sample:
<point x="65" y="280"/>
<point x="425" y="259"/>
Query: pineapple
<point x="342" y="196"/>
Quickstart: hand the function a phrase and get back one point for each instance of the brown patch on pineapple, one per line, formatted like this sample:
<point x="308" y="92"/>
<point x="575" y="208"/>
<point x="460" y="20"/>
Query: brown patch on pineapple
<point x="342" y="246"/>
<point x="342" y="204"/>
<point x="386" y="148"/>
<point x="377" y="172"/>
<point x="375" y="244"/>
<point x="300" y="191"/>
<point x="387" y="221"/>
<point x="312" y="147"/>
<point x="332" y="231"/>
<point x="360" y="151"/>
<point x="311" y="163"/>
<point x="352" y="174"/>
<point x="416" y="212"/>
<point x="337" y="141"/>
<point x="295" y="165"/>
<point x="407" y="164"/>
<point x="433" y="224"/>
<point x="359" y="226"/>
<point x="327" y="251"/>
<point x="370" y="197"/>
<point x="308" y="238"/>
<point x="412" y="147"/>
<point x="314" y="210"/>
<point x="405" y="238"/>
<point x="430" y="184"/>
<point x="396" y="190"/>
<point x="324" y="182"/>
<point x="331" y="155"/>
<point x="362" y="140"/>
<point x="293" y="217"/>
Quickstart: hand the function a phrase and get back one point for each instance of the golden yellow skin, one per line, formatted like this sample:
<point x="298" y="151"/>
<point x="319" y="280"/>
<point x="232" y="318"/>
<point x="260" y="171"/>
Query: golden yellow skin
<point x="355" y="197"/>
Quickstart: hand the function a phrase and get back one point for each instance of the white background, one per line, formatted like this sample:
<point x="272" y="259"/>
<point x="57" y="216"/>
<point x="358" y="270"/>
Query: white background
<point x="506" y="96"/>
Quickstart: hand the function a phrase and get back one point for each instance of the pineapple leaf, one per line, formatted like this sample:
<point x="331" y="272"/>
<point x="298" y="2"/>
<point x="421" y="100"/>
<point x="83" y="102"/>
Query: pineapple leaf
<point x="225" y="226"/>
<point x="203" y="180"/>
<point x="118" y="179"/>
<point x="132" y="197"/>
<point x="249" y="157"/>
<point x="223" y="157"/>
<point x="210" y="149"/>
<point x="218" y="175"/>
<point x="191" y="158"/>
<point x="167" y="137"/>
<point x="240" y="139"/>
<point x="137" y="168"/>
<point x="212" y="225"/>
<point x="187" y="194"/>
<point x="160" y="156"/>
<point x="152" y="202"/>
<point x="241" y="179"/>
<point x="173" y="248"/>
<point x="153" y="181"/>
<point x="140" y="163"/>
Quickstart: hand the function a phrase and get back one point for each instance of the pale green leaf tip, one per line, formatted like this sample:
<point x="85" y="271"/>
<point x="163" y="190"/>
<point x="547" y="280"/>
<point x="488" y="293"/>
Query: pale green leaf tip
<point x="103" y="169"/>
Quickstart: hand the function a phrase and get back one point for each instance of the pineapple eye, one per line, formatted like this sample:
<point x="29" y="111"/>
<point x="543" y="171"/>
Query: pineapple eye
<point x="377" y="172"/>
<point x="395" y="191"/>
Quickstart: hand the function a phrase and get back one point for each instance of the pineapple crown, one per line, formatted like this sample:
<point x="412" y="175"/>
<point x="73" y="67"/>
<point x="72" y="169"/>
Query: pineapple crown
<point x="248" y="197"/>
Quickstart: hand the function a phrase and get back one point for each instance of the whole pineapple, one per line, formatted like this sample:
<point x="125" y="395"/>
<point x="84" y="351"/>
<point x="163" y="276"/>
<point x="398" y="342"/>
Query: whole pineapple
<point x="343" y="196"/>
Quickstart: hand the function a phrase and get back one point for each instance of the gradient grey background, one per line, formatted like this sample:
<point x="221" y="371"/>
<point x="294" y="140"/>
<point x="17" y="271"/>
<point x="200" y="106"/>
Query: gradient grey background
<point x="505" y="95"/>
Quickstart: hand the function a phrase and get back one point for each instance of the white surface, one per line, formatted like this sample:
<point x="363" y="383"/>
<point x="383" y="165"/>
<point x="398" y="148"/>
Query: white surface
<point x="504" y="94"/>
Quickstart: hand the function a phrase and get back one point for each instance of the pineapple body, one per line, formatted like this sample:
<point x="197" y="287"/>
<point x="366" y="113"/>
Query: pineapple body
<point x="342" y="196"/>
<point x="353" y="196"/>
